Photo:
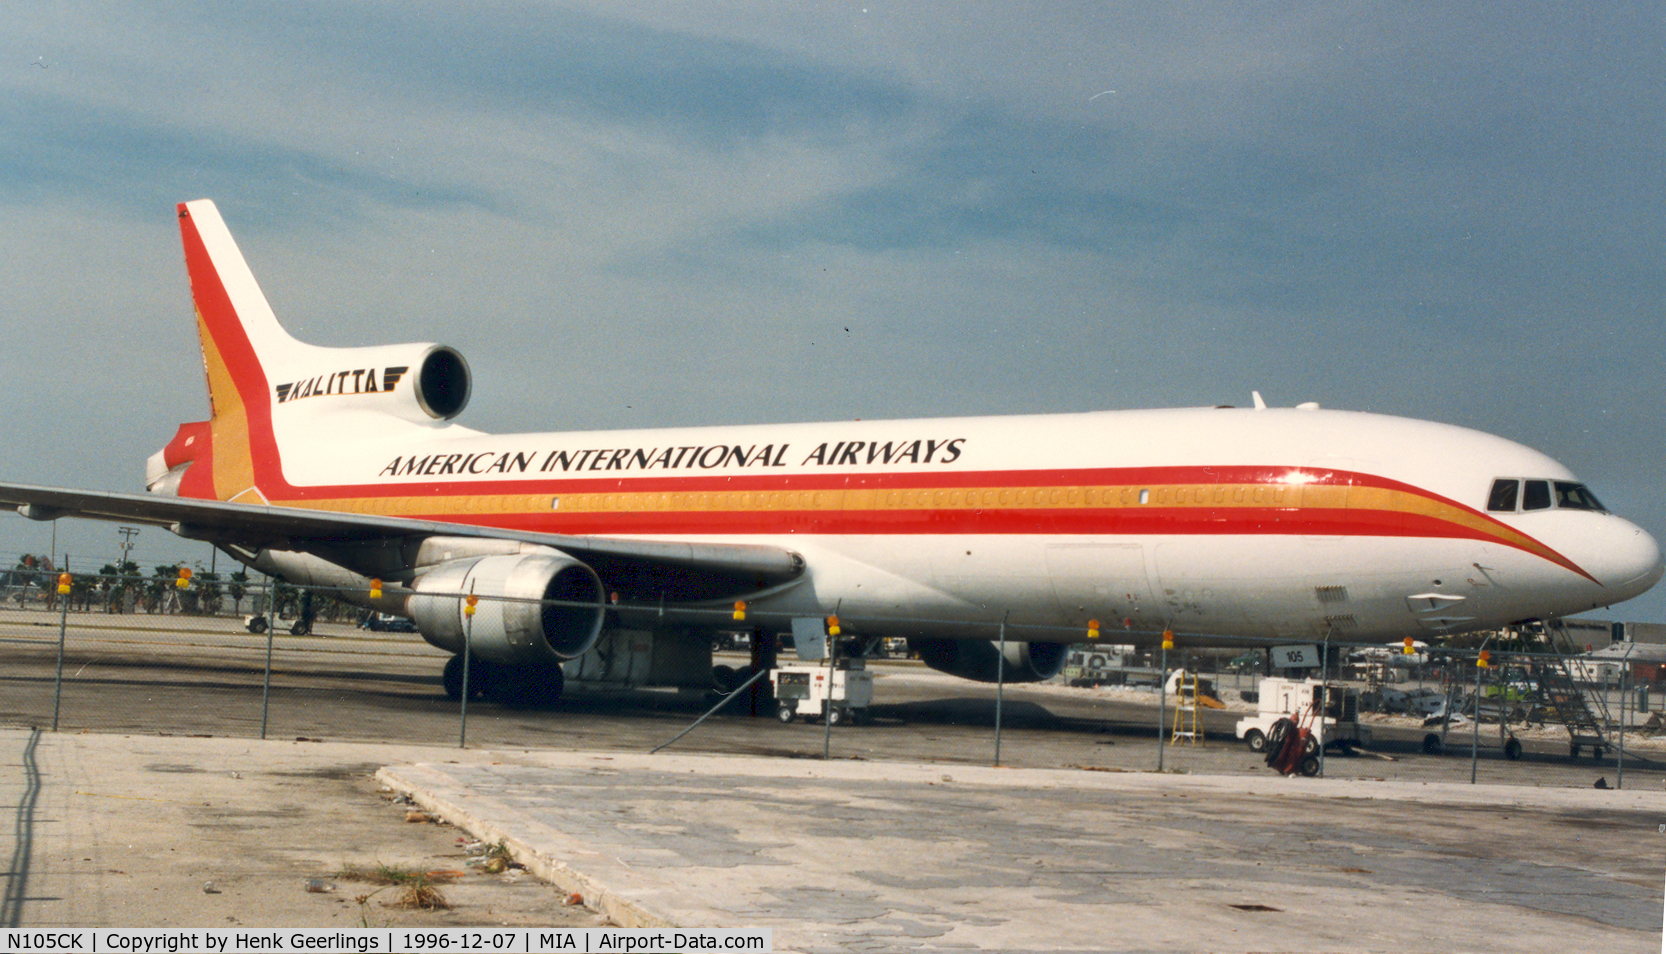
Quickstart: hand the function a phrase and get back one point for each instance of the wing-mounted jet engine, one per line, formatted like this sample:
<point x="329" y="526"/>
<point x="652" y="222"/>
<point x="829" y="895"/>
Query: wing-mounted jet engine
<point x="981" y="661"/>
<point x="534" y="612"/>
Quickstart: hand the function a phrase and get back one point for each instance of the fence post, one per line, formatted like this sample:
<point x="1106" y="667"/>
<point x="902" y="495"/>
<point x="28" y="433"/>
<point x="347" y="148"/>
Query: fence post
<point x="63" y="628"/>
<point x="271" y="618"/>
<point x="1620" y="731"/>
<point x="1000" y="686"/>
<point x="468" y="643"/>
<point x="1162" y="700"/>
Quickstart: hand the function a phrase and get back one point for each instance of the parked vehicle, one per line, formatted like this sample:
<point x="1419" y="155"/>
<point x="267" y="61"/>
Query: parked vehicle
<point x="1330" y="713"/>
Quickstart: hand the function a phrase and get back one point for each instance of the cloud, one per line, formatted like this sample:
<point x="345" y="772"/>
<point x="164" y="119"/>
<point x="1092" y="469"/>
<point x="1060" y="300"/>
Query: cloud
<point x="671" y="213"/>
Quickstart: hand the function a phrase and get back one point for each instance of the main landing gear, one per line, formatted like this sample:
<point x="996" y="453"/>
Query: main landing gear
<point x="517" y="687"/>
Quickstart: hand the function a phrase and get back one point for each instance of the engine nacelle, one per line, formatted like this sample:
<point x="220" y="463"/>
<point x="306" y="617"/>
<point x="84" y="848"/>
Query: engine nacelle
<point x="421" y="383"/>
<point x="513" y="622"/>
<point x="980" y="661"/>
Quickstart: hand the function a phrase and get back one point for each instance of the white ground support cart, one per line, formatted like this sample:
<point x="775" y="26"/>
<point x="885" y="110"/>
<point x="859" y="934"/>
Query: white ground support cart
<point x="809" y="692"/>
<point x="1300" y="701"/>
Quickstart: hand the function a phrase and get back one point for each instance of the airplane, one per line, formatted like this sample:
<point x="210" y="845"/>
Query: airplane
<point x="990" y="543"/>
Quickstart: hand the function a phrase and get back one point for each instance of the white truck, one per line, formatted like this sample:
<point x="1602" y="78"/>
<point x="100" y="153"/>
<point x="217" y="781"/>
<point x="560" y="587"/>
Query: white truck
<point x="1331" y="713"/>
<point x="842" y="694"/>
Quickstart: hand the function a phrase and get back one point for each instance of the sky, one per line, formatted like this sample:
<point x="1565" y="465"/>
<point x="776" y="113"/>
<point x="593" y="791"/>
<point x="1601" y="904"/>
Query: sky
<point x="646" y="214"/>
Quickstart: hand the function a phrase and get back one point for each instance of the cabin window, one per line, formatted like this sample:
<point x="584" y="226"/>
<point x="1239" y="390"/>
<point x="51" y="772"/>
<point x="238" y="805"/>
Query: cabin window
<point x="1537" y="495"/>
<point x="1503" y="496"/>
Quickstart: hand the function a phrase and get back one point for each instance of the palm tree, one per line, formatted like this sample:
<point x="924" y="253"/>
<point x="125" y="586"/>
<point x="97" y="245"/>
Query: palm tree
<point x="237" y="585"/>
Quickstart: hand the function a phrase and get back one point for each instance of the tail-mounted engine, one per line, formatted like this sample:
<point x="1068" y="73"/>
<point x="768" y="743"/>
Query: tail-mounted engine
<point x="421" y="383"/>
<point x="533" y="608"/>
<point x="980" y="661"/>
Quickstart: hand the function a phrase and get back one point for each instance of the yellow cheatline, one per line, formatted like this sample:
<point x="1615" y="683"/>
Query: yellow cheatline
<point x="1192" y="496"/>
<point x="233" y="459"/>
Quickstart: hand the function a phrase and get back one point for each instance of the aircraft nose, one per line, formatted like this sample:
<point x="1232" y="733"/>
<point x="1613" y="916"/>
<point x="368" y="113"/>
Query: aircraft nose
<point x="1629" y="562"/>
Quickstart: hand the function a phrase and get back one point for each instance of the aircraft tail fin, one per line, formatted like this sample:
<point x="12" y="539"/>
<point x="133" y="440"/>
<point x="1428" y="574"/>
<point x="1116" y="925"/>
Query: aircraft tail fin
<point x="260" y="379"/>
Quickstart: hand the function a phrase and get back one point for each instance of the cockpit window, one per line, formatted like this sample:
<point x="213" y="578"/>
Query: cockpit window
<point x="1537" y="496"/>
<point x="1508" y="492"/>
<point x="1571" y="496"/>
<point x="1503" y="495"/>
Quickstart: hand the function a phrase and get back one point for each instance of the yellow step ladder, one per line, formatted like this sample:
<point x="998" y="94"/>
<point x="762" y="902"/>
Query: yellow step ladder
<point x="1186" y="721"/>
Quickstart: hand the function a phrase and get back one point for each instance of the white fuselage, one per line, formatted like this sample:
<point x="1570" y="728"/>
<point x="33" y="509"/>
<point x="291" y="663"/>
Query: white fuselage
<point x="1226" y="522"/>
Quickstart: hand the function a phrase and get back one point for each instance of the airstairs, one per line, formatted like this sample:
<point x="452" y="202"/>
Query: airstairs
<point x="1562" y="701"/>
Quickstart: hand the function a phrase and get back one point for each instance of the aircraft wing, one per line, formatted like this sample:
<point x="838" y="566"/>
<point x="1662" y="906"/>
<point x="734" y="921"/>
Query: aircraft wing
<point x="257" y="527"/>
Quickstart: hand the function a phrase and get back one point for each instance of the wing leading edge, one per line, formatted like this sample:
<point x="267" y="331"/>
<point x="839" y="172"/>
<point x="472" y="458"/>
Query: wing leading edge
<point x="256" y="527"/>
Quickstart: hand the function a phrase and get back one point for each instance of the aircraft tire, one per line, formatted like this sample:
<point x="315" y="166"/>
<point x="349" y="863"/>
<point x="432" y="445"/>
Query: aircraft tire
<point x="522" y="687"/>
<point x="725" y="679"/>
<point x="451" y="678"/>
<point x="1256" y="740"/>
<point x="481" y="678"/>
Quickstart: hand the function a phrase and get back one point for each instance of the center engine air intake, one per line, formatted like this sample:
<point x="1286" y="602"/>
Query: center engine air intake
<point x="442" y="385"/>
<point x="533" y="607"/>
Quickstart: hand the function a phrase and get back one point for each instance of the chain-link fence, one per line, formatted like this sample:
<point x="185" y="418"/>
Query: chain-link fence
<point x="140" y="654"/>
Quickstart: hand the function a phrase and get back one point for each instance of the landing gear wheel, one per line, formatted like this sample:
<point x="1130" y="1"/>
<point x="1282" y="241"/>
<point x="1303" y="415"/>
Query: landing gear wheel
<point x="1432" y="744"/>
<point x="554" y="683"/>
<point x="451" y="678"/>
<point x="526" y="687"/>
<point x="482" y="678"/>
<point x="785" y="713"/>
<point x="1512" y="750"/>
<point x="724" y="679"/>
<point x="1256" y="740"/>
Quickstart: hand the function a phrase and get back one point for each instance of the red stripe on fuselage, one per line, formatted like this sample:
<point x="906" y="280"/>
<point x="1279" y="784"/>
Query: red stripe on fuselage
<point x="1154" y="477"/>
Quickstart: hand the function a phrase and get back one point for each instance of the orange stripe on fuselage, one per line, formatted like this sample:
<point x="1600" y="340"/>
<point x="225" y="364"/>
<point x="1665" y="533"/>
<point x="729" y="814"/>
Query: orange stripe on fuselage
<point x="930" y="503"/>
